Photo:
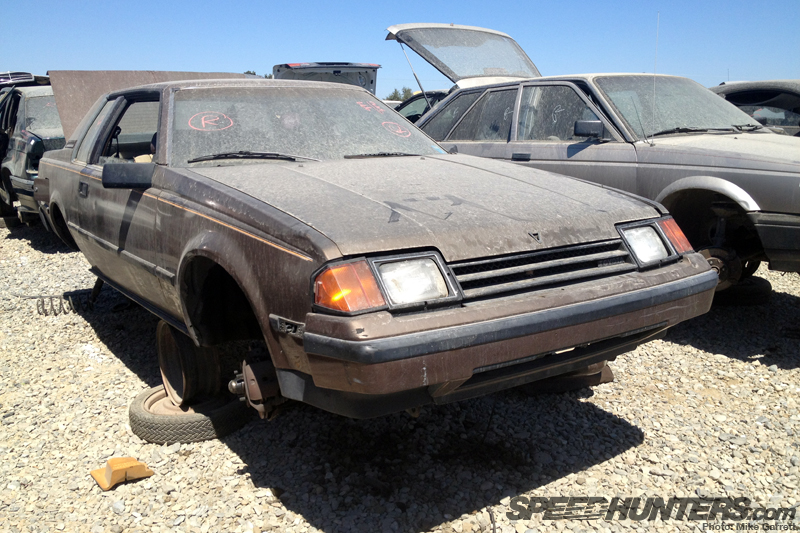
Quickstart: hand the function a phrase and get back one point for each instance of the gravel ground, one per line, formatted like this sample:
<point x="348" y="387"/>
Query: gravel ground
<point x="709" y="411"/>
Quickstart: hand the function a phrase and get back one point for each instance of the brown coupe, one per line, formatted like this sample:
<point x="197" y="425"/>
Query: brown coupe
<point x="382" y="273"/>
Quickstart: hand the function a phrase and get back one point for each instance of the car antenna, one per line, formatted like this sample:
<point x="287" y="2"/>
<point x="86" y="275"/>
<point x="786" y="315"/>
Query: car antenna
<point x="425" y="96"/>
<point x="655" y="68"/>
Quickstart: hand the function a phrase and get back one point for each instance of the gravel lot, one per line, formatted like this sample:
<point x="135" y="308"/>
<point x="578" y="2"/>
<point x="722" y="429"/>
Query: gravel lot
<point x="709" y="411"/>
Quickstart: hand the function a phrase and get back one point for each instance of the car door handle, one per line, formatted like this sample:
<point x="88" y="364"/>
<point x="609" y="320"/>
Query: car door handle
<point x="83" y="189"/>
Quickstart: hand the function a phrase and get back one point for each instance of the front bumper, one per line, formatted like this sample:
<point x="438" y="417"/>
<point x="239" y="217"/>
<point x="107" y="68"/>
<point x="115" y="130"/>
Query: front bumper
<point x="373" y="364"/>
<point x="780" y="237"/>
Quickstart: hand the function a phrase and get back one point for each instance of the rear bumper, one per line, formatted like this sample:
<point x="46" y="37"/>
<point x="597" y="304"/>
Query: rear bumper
<point x="460" y="353"/>
<point x="780" y="237"/>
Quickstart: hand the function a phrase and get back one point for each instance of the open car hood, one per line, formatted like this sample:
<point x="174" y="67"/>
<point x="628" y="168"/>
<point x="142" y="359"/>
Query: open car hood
<point x="359" y="74"/>
<point x="77" y="90"/>
<point x="466" y="55"/>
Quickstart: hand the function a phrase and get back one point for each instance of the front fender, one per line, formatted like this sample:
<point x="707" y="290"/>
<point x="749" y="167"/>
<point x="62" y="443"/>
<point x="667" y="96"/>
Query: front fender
<point x="229" y="255"/>
<point x="708" y="183"/>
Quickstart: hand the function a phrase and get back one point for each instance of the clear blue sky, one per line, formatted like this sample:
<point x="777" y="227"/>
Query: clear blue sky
<point x="707" y="40"/>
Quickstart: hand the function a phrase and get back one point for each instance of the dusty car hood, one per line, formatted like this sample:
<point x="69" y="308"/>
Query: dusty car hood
<point x="756" y="151"/>
<point x="466" y="55"/>
<point x="465" y="207"/>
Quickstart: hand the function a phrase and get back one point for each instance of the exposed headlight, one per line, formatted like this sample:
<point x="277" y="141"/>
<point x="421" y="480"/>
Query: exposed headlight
<point x="412" y="280"/>
<point x="646" y="244"/>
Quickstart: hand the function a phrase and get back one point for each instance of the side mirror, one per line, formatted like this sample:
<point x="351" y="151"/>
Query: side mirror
<point x="128" y="175"/>
<point x="588" y="128"/>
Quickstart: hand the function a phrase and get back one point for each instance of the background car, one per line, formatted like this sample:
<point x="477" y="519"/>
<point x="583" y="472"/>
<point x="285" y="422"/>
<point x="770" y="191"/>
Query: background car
<point x="773" y="103"/>
<point x="377" y="272"/>
<point x="363" y="75"/>
<point x="29" y="125"/>
<point x="419" y="104"/>
<point x="731" y="184"/>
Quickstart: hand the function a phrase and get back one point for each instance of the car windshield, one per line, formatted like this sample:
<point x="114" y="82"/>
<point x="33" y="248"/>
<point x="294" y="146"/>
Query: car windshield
<point x="460" y="53"/>
<point x="680" y="105"/>
<point x="42" y="116"/>
<point x="241" y="124"/>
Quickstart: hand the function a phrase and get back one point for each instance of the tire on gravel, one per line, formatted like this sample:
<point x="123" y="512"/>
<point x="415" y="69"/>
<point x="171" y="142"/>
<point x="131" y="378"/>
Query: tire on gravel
<point x="154" y="418"/>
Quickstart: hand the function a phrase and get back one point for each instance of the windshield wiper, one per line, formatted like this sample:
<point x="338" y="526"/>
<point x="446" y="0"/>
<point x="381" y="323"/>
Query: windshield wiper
<point x="679" y="130"/>
<point x="244" y="154"/>
<point x="748" y="127"/>
<point x="686" y="129"/>
<point x="379" y="154"/>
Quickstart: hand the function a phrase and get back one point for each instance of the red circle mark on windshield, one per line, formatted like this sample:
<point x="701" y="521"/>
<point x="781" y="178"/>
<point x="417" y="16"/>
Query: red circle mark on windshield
<point x="210" y="121"/>
<point x="397" y="129"/>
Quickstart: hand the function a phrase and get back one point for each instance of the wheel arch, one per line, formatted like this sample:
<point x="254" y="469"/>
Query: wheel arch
<point x="59" y="224"/>
<point x="684" y="186"/>
<point x="220" y="296"/>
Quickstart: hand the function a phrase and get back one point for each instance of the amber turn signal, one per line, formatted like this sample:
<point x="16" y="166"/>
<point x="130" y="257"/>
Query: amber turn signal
<point x="675" y="235"/>
<point x="349" y="287"/>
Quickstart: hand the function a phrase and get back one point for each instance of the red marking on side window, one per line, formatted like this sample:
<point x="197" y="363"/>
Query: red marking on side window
<point x="397" y="129"/>
<point x="210" y="121"/>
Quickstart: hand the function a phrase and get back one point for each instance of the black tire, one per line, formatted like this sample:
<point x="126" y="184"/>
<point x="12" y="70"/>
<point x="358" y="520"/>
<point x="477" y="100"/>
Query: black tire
<point x="156" y="421"/>
<point x="750" y="268"/>
<point x="749" y="291"/>
<point x="6" y="203"/>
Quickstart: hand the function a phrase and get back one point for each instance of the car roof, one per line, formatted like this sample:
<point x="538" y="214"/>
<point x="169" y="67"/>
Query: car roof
<point x="570" y="78"/>
<point x="738" y="86"/>
<point x="33" y="92"/>
<point x="76" y="91"/>
<point x="191" y="84"/>
<point x="20" y="79"/>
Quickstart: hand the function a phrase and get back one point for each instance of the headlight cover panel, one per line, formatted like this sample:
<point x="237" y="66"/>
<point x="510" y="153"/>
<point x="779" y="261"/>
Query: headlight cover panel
<point x="384" y="267"/>
<point x="635" y="235"/>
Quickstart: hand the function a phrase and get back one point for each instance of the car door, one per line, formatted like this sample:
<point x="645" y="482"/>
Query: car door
<point x="543" y="135"/>
<point x="116" y="226"/>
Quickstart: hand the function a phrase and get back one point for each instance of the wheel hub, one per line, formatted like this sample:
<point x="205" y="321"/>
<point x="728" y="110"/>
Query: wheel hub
<point x="727" y="265"/>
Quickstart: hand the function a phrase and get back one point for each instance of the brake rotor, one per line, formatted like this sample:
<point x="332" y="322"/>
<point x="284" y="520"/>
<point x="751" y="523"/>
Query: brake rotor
<point x="727" y="265"/>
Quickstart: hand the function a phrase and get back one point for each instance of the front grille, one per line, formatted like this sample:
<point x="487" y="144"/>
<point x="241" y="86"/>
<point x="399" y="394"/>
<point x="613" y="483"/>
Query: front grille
<point x="542" y="270"/>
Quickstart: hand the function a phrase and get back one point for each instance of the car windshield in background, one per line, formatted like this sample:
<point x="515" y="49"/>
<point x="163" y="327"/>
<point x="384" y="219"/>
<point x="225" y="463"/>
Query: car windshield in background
<point x="42" y="115"/>
<point x="308" y="123"/>
<point x="464" y="53"/>
<point x="680" y="106"/>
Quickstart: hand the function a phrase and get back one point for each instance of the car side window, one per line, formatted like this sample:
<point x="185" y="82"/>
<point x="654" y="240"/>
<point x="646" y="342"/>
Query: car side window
<point x="417" y="107"/>
<point x="85" y="149"/>
<point x="488" y="120"/>
<point x="440" y="125"/>
<point x="10" y="119"/>
<point x="549" y="113"/>
<point x="130" y="139"/>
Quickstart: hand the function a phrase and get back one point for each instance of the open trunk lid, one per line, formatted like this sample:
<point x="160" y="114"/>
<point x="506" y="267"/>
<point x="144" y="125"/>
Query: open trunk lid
<point x="466" y="55"/>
